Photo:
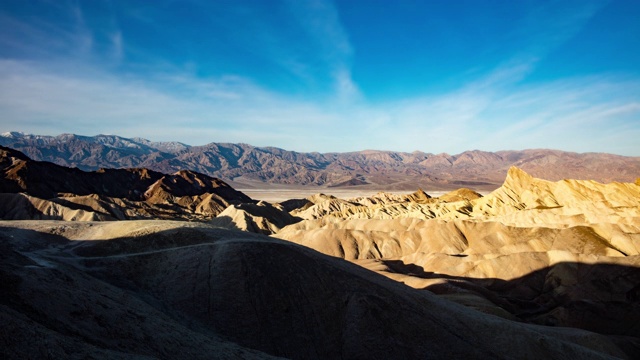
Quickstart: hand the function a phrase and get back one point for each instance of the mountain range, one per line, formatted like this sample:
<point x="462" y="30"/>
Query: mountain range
<point x="246" y="166"/>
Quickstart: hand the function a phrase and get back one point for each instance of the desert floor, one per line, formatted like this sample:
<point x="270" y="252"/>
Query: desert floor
<point x="282" y="194"/>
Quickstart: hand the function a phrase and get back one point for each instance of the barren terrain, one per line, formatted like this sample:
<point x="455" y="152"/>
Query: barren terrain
<point x="533" y="269"/>
<point x="279" y="194"/>
<point x="159" y="289"/>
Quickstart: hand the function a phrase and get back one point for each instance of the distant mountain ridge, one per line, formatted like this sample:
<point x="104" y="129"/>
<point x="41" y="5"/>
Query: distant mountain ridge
<point x="243" y="164"/>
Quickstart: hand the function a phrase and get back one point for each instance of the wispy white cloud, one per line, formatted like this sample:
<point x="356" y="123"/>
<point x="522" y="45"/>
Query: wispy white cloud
<point x="117" y="45"/>
<point x="235" y="110"/>
<point x="550" y="24"/>
<point x="39" y="38"/>
<point x="321" y="21"/>
<point x="568" y="114"/>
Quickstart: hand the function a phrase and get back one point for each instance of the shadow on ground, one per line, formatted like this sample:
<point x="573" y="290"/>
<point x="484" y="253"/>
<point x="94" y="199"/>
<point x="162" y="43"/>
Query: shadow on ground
<point x="194" y="292"/>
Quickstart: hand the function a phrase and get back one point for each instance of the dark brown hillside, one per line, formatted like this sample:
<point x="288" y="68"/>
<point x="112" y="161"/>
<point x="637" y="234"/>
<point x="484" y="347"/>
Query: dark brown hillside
<point x="184" y="190"/>
<point x="46" y="180"/>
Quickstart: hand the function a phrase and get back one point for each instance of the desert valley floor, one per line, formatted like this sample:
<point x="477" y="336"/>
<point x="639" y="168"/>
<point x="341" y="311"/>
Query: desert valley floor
<point x="279" y="194"/>
<point x="133" y="263"/>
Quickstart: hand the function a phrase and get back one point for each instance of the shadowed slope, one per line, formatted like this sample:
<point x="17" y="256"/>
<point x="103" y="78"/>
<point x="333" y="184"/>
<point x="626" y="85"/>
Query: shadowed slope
<point x="190" y="288"/>
<point x="262" y="218"/>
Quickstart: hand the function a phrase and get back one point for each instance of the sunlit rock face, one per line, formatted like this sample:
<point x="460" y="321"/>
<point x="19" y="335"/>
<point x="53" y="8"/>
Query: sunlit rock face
<point x="533" y="250"/>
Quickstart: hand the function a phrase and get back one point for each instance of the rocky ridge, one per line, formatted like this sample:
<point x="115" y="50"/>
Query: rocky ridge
<point x="41" y="190"/>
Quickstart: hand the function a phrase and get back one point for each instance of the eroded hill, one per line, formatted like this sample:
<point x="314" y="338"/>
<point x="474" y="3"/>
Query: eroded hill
<point x="42" y="190"/>
<point x="561" y="253"/>
<point x="159" y="289"/>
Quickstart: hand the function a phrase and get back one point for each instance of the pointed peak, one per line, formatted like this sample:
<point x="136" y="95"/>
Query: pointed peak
<point x="517" y="173"/>
<point x="517" y="176"/>
<point x="12" y="134"/>
<point x="421" y="194"/>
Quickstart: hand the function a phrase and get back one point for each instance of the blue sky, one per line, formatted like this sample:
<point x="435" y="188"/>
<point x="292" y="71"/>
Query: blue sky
<point x="434" y="76"/>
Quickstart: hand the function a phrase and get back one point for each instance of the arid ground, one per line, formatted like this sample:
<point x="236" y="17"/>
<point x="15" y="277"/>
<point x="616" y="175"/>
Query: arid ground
<point x="132" y="263"/>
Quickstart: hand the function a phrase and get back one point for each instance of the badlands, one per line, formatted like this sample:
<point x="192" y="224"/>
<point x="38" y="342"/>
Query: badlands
<point x="139" y="264"/>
